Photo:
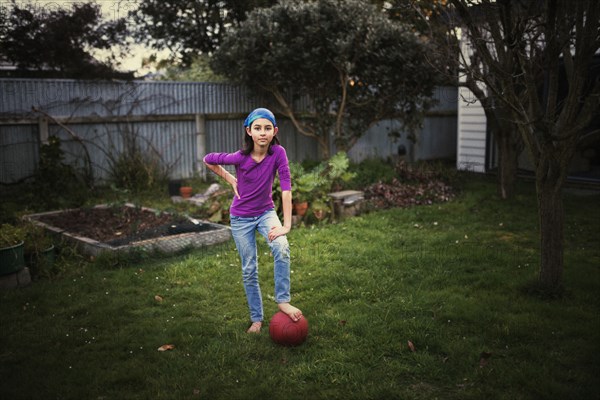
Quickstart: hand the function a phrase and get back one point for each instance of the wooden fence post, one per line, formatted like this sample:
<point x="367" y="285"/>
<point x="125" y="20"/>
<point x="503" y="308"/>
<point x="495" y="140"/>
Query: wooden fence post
<point x="200" y="144"/>
<point x="43" y="130"/>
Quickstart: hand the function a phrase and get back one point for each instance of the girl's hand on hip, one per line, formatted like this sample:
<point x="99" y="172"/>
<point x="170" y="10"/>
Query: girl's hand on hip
<point x="277" y="231"/>
<point x="235" y="189"/>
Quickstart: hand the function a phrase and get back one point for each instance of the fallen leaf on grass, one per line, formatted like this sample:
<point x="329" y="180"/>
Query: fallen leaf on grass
<point x="483" y="359"/>
<point x="166" y="347"/>
<point x="411" y="346"/>
<point x="158" y="298"/>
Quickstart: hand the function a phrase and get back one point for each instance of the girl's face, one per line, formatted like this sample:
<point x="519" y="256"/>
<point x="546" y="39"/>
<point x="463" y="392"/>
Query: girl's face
<point x="262" y="132"/>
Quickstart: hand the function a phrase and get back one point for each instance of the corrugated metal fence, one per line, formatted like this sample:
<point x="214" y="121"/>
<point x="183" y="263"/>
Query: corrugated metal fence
<point x="178" y="121"/>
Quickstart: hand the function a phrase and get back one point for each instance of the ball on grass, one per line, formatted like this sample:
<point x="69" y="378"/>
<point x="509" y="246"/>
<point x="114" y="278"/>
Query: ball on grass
<point x="286" y="332"/>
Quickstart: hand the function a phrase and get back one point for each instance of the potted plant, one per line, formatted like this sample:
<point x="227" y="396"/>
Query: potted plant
<point x="304" y="185"/>
<point x="38" y="249"/>
<point x="185" y="189"/>
<point x="12" y="241"/>
<point x="300" y="205"/>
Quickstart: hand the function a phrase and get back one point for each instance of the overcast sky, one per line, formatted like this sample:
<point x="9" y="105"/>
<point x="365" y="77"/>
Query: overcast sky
<point x="111" y="9"/>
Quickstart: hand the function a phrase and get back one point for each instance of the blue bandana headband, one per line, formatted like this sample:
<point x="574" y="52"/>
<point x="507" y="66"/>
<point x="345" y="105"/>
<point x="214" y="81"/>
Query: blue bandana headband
<point x="259" y="113"/>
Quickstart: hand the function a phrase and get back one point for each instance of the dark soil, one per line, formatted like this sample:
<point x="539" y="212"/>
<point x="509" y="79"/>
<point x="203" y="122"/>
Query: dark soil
<point x="120" y="225"/>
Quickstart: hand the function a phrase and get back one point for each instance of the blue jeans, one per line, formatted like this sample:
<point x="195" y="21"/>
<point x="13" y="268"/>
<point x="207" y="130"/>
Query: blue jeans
<point x="243" y="231"/>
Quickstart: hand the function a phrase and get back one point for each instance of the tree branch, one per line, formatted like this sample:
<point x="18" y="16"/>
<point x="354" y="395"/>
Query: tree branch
<point x="88" y="159"/>
<point x="288" y="112"/>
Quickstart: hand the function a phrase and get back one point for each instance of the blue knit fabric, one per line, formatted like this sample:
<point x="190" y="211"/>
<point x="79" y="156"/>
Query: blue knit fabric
<point x="259" y="113"/>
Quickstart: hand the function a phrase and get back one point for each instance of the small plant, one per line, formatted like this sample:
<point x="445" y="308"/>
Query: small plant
<point x="333" y="175"/>
<point x="36" y="239"/>
<point x="314" y="186"/>
<point x="319" y="205"/>
<point x="371" y="171"/>
<point x="61" y="184"/>
<point x="11" y="235"/>
<point x="336" y="172"/>
<point x="319" y="209"/>
<point x="303" y="183"/>
<point x="38" y="250"/>
<point x="137" y="171"/>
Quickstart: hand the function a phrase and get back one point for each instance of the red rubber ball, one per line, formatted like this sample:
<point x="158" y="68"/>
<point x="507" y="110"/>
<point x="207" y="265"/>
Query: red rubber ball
<point x="286" y="332"/>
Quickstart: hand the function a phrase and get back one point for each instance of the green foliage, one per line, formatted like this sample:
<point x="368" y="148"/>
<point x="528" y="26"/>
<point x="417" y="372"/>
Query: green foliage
<point x="371" y="171"/>
<point x="57" y="183"/>
<point x="346" y="58"/>
<point x="304" y="183"/>
<point x="137" y="166"/>
<point x="188" y="28"/>
<point x="61" y="41"/>
<point x="337" y="172"/>
<point x="137" y="171"/>
<point x="324" y="178"/>
<point x="11" y="235"/>
<point x="36" y="238"/>
<point x="197" y="71"/>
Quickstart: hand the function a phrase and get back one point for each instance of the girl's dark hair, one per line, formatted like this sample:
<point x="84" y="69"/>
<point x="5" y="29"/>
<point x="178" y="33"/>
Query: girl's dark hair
<point x="249" y="144"/>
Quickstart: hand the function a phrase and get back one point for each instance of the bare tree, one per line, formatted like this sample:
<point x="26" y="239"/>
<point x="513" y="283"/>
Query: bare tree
<point x="524" y="50"/>
<point x="499" y="122"/>
<point x="433" y="20"/>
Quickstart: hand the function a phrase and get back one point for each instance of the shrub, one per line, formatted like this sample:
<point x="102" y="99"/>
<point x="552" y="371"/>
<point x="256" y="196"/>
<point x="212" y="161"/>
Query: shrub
<point x="371" y="171"/>
<point x="137" y="171"/>
<point x="60" y="184"/>
<point x="316" y="183"/>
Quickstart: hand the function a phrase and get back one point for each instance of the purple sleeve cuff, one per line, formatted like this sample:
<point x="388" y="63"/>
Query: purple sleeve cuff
<point x="285" y="180"/>
<point x="222" y="158"/>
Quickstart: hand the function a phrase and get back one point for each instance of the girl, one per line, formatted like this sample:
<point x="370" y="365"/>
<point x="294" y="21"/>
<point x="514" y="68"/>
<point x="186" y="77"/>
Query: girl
<point x="253" y="209"/>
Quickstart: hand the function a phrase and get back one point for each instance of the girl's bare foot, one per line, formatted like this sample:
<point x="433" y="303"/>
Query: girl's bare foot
<point x="294" y="313"/>
<point x="255" y="327"/>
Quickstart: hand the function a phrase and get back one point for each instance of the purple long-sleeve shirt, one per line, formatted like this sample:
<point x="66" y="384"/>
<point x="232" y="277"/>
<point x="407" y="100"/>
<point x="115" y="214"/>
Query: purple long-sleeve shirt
<point x="255" y="180"/>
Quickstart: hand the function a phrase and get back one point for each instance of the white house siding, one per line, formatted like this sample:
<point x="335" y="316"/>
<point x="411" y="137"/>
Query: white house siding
<point x="472" y="127"/>
<point x="470" y="151"/>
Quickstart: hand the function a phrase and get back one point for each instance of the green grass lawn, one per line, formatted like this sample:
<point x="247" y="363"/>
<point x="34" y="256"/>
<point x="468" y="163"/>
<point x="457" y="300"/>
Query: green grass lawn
<point x="449" y="278"/>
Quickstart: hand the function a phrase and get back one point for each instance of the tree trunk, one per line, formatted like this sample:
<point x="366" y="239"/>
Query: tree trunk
<point x="508" y="160"/>
<point x="323" y="147"/>
<point x="508" y="142"/>
<point x="551" y="220"/>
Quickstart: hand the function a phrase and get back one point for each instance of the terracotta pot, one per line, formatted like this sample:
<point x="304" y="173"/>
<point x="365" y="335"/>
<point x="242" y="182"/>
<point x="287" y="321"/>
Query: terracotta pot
<point x="185" y="191"/>
<point x="300" y="208"/>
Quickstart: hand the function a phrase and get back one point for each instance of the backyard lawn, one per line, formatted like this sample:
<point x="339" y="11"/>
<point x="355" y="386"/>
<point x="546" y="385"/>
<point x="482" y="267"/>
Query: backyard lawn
<point x="425" y="302"/>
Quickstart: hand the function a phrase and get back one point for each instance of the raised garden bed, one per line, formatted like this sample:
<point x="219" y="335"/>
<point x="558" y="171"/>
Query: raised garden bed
<point x="123" y="228"/>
